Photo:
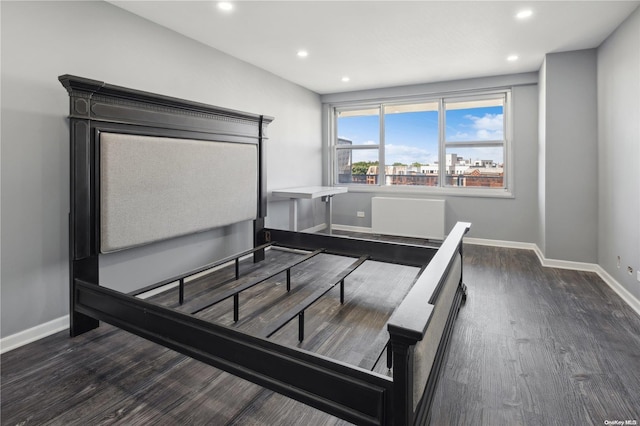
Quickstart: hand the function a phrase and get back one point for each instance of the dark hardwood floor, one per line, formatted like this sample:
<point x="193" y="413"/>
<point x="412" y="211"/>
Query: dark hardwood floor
<point x="532" y="345"/>
<point x="538" y="346"/>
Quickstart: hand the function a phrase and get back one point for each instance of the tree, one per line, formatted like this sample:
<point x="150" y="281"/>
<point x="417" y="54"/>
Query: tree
<point x="361" y="167"/>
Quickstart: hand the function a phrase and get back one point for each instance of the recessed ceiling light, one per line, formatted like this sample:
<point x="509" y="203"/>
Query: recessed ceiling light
<point x="303" y="53"/>
<point x="512" y="58"/>
<point x="225" y="5"/>
<point x="524" y="14"/>
<point x="345" y="79"/>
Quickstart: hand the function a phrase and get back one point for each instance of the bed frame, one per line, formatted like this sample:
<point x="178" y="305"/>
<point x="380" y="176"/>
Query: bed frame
<point x="419" y="329"/>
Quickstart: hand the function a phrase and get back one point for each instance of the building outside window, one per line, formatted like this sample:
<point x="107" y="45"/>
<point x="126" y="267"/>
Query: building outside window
<point x="452" y="142"/>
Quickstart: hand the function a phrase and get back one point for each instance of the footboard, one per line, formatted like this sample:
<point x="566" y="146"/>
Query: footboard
<point x="420" y="329"/>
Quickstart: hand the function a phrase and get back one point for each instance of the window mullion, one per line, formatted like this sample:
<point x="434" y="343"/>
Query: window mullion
<point x="381" y="151"/>
<point x="333" y="162"/>
<point x="441" y="143"/>
<point x="507" y="118"/>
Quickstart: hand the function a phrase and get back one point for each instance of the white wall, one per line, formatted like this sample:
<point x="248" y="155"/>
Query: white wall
<point x="42" y="40"/>
<point x="618" y="68"/>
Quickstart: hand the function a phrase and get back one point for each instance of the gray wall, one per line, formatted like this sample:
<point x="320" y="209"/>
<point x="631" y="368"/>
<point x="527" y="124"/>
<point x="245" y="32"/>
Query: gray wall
<point x="555" y="157"/>
<point x="570" y="145"/>
<point x="42" y="40"/>
<point x="619" y="153"/>
<point x="512" y="219"/>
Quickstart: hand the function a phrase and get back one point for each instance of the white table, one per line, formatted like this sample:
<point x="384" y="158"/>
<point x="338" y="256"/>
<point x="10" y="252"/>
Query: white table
<point x="309" y="192"/>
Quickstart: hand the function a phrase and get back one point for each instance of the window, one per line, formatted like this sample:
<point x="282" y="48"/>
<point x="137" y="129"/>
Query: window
<point x="447" y="142"/>
<point x="410" y="143"/>
<point x="474" y="142"/>
<point x="358" y="146"/>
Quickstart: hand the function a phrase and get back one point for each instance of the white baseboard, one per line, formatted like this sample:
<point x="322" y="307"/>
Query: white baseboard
<point x="618" y="288"/>
<point x="338" y="227"/>
<point x="625" y="294"/>
<point x="499" y="243"/>
<point x="315" y="229"/>
<point x="34" y="333"/>
<point x="350" y="228"/>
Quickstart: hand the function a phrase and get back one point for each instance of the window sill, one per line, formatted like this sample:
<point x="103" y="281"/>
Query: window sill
<point x="431" y="191"/>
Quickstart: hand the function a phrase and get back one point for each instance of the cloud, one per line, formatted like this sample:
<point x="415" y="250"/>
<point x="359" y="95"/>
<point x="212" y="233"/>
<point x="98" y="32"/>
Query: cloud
<point x="368" y="142"/>
<point x="488" y="121"/>
<point x="406" y="154"/>
<point x="487" y="127"/>
<point x="395" y="153"/>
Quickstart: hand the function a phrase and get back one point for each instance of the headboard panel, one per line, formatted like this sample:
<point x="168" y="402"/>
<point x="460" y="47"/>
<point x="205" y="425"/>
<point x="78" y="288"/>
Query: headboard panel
<point x="154" y="188"/>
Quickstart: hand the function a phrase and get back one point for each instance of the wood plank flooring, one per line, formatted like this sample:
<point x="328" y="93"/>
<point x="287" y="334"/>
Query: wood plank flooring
<point x="532" y="345"/>
<point x="538" y="346"/>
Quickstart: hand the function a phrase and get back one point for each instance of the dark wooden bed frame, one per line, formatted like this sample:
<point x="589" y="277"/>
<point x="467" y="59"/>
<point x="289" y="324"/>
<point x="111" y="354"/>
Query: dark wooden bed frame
<point x="348" y="392"/>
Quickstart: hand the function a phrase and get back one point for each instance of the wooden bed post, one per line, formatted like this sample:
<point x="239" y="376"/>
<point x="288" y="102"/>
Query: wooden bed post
<point x="258" y="239"/>
<point x="258" y="224"/>
<point x="83" y="250"/>
<point x="462" y="285"/>
<point x="402" y="349"/>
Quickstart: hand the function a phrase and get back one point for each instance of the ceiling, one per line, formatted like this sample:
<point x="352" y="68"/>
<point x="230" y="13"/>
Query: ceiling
<point x="388" y="43"/>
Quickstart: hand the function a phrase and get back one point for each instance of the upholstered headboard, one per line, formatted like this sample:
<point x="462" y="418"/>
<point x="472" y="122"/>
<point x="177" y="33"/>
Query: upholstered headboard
<point x="154" y="188"/>
<point x="147" y="167"/>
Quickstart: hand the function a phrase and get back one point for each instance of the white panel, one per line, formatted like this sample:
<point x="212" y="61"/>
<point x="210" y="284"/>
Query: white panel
<point x="425" y="350"/>
<point x="154" y="188"/>
<point x="408" y="217"/>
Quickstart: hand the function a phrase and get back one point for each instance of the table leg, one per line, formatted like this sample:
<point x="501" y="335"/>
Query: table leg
<point x="293" y="214"/>
<point x="328" y="212"/>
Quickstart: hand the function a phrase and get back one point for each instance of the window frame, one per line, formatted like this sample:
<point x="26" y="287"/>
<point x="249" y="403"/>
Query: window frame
<point x="507" y="191"/>
<point x="335" y="147"/>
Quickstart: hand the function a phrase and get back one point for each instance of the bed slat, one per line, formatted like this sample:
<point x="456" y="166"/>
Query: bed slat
<point x="236" y="290"/>
<point x="311" y="299"/>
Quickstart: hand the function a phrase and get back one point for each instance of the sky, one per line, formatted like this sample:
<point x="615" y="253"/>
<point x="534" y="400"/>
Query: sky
<point x="413" y="136"/>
